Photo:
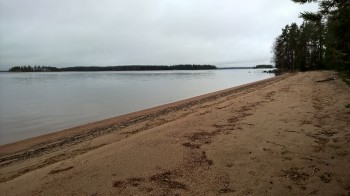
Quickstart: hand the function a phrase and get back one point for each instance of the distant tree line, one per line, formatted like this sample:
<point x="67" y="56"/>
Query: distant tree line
<point x="263" y="67"/>
<point x="141" y="68"/>
<point x="321" y="42"/>
<point x="29" y="68"/>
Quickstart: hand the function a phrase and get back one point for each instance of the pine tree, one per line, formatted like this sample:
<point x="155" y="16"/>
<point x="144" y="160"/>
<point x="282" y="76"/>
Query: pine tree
<point x="334" y="27"/>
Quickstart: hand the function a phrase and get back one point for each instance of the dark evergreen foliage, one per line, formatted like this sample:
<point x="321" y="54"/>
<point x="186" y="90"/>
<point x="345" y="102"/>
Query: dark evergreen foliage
<point x="321" y="42"/>
<point x="263" y="67"/>
<point x="36" y="68"/>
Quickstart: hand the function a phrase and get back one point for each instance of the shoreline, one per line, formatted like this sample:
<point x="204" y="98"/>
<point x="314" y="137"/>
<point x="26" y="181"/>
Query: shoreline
<point x="77" y="106"/>
<point x="81" y="129"/>
<point x="285" y="135"/>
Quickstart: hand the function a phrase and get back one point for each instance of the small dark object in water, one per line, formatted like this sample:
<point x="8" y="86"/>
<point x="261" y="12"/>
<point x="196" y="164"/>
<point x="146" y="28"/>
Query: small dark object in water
<point x="326" y="80"/>
<point x="271" y="71"/>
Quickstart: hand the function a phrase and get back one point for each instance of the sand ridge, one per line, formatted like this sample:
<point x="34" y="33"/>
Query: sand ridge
<point x="286" y="135"/>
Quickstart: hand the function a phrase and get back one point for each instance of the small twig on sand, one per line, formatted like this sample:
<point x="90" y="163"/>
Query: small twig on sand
<point x="326" y="80"/>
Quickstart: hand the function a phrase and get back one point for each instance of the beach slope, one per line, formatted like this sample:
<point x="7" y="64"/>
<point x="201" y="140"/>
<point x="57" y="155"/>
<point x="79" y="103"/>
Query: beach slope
<point x="287" y="135"/>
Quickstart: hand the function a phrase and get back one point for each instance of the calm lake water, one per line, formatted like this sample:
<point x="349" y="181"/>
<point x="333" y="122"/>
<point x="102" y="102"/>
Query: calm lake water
<point x="33" y="104"/>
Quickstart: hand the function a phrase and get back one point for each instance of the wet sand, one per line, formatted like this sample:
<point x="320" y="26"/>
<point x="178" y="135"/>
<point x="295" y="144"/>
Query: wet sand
<point x="286" y="135"/>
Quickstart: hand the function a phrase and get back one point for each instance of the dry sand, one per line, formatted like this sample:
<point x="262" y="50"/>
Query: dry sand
<point x="289" y="135"/>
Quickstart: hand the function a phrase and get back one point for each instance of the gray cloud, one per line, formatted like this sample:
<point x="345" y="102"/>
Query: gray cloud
<point x="116" y="32"/>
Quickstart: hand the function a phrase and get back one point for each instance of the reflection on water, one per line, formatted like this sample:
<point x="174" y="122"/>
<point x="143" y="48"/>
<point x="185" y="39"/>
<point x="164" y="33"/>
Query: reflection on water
<point x="32" y="104"/>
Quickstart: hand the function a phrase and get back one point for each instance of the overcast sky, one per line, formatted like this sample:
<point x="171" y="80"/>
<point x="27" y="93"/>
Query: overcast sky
<point x="119" y="32"/>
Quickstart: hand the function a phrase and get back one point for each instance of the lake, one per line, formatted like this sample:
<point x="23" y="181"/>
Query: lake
<point x="33" y="104"/>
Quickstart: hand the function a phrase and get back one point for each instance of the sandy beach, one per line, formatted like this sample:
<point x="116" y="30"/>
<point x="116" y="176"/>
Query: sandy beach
<point x="288" y="135"/>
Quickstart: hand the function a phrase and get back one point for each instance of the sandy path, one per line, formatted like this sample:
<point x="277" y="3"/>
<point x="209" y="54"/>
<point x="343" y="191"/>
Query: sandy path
<point x="288" y="135"/>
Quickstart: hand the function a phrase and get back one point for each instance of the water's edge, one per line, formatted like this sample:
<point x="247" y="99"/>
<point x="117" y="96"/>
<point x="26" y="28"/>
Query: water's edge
<point x="42" y="103"/>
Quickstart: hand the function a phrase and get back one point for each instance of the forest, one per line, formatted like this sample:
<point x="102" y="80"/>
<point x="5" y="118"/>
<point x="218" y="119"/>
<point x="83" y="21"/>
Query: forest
<point x="263" y="67"/>
<point x="29" y="68"/>
<point x="322" y="41"/>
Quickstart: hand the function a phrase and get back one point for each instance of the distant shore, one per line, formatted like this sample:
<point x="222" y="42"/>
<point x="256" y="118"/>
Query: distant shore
<point x="29" y="68"/>
<point x="288" y="134"/>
